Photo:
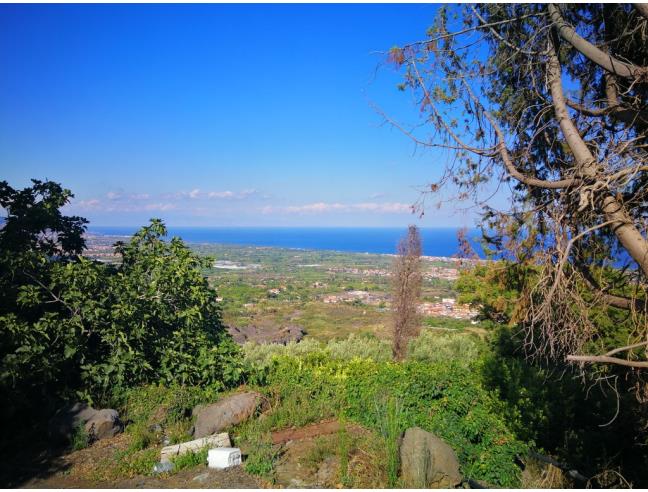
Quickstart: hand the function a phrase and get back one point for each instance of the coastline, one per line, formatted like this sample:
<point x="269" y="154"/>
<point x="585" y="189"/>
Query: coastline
<point x="439" y="244"/>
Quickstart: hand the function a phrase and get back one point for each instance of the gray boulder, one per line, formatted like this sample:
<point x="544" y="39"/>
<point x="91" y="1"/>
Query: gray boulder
<point x="104" y="423"/>
<point x="224" y="413"/>
<point x="62" y="425"/>
<point x="99" y="424"/>
<point x="427" y="461"/>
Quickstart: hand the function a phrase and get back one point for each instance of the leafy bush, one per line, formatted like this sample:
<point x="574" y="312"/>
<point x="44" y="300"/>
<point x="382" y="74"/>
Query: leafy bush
<point x="366" y="346"/>
<point x="496" y="288"/>
<point x="69" y="324"/>
<point x="259" y="355"/>
<point x="431" y="346"/>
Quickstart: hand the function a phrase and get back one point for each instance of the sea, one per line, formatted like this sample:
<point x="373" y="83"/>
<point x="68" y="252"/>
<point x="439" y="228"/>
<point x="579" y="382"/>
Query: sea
<point x="383" y="240"/>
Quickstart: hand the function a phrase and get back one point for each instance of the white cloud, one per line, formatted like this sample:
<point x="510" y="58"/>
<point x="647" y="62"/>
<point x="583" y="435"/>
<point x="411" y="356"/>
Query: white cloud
<point x="88" y="204"/>
<point x="225" y="194"/>
<point x="246" y="193"/>
<point x="322" y="207"/>
<point x="318" y="207"/>
<point x="118" y="201"/>
<point x="159" y="206"/>
<point x="139" y="196"/>
<point x="220" y="194"/>
<point x="393" y="207"/>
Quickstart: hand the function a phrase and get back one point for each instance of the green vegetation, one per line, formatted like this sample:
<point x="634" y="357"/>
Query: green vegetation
<point x="130" y="464"/>
<point x="432" y="346"/>
<point x="449" y="323"/>
<point x="441" y="397"/>
<point x="80" y="438"/>
<point x="145" y="335"/>
<point x="390" y="421"/>
<point x="73" y="327"/>
<point x="190" y="460"/>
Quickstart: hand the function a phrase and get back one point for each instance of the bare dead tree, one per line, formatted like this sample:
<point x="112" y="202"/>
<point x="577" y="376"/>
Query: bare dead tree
<point x="555" y="110"/>
<point x="407" y="280"/>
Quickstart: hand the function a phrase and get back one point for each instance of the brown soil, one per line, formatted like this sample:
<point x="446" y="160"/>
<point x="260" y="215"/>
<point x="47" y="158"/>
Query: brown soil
<point x="319" y="429"/>
<point x="78" y="469"/>
<point x="309" y="463"/>
<point x="197" y="477"/>
<point x="310" y="457"/>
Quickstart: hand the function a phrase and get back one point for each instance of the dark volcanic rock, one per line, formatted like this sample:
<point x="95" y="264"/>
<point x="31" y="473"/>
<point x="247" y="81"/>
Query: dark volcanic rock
<point x="251" y="333"/>
<point x="104" y="423"/>
<point x="99" y="424"/>
<point x="62" y="425"/>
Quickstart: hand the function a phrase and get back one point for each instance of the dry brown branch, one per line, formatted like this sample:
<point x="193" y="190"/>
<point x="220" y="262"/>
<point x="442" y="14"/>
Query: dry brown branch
<point x="591" y="359"/>
<point x="407" y="280"/>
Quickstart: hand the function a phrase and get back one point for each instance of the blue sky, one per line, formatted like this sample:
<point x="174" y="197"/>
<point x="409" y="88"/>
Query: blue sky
<point x="215" y="115"/>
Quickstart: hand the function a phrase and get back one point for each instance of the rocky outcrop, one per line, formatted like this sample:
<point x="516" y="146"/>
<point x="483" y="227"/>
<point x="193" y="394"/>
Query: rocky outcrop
<point x="268" y="334"/>
<point x="99" y="424"/>
<point x="427" y="461"/>
<point x="224" y="413"/>
<point x="104" y="423"/>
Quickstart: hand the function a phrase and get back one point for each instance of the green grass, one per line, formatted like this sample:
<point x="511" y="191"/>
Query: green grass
<point x="390" y="418"/>
<point x="344" y="445"/>
<point x="324" y="447"/>
<point x="190" y="460"/>
<point x="80" y="438"/>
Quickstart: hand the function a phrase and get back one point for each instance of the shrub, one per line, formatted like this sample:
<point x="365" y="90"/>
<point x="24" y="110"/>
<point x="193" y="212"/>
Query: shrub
<point x="70" y="325"/>
<point x="365" y="346"/>
<point x="259" y="356"/>
<point x="444" y="398"/>
<point x="432" y="346"/>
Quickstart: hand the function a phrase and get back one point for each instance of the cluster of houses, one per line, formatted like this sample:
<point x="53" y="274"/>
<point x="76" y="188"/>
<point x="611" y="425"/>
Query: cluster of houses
<point x="449" y="308"/>
<point x="356" y="295"/>
<point x="441" y="272"/>
<point x="446" y="307"/>
<point x="432" y="272"/>
<point x="379" y="272"/>
<point x="100" y="248"/>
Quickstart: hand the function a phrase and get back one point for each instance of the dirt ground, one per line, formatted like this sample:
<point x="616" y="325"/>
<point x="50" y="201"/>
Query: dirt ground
<point x="309" y="457"/>
<point x="194" y="478"/>
<point x="55" y="468"/>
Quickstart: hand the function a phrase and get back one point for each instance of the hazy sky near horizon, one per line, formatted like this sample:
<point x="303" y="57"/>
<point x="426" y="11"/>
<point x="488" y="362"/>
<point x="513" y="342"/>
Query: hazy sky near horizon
<point x="215" y="115"/>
